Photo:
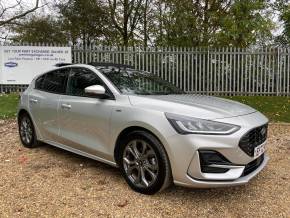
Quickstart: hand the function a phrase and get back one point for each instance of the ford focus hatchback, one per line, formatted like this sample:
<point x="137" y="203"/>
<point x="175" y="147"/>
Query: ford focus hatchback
<point x="154" y="132"/>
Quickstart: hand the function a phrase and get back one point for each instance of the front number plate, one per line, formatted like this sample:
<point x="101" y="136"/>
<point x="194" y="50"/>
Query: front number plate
<point x="259" y="150"/>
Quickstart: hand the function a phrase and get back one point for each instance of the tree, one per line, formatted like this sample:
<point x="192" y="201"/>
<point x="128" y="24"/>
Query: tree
<point x="187" y="23"/>
<point x="146" y="11"/>
<point x="125" y="16"/>
<point x="244" y="24"/>
<point x="16" y="9"/>
<point x="283" y="7"/>
<point x="212" y="22"/>
<point x="85" y="21"/>
<point x="40" y="30"/>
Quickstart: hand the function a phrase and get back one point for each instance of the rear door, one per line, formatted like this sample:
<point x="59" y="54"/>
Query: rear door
<point x="84" y="119"/>
<point x="43" y="102"/>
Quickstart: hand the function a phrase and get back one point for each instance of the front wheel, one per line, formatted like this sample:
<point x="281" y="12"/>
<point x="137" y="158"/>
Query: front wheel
<point x="144" y="163"/>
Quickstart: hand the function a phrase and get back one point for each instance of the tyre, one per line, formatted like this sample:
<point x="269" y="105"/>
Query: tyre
<point x="27" y="132"/>
<point x="144" y="163"/>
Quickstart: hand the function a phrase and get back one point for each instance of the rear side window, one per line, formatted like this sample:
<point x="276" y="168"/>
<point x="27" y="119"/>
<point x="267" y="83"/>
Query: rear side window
<point x="54" y="81"/>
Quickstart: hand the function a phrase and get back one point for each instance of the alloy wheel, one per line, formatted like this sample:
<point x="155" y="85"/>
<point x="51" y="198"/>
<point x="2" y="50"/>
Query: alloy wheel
<point x="140" y="163"/>
<point x="26" y="130"/>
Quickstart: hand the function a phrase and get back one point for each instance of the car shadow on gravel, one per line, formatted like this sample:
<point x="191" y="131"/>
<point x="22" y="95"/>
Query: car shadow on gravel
<point x="207" y="192"/>
<point x="67" y="158"/>
<point x="72" y="162"/>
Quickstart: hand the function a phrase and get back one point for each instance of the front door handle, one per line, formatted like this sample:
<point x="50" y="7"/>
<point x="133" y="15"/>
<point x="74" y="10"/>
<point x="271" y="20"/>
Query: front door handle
<point x="32" y="100"/>
<point x="66" y="106"/>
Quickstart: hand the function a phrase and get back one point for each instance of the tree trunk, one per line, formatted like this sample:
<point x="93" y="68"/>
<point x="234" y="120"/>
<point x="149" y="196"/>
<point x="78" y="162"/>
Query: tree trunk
<point x="145" y="25"/>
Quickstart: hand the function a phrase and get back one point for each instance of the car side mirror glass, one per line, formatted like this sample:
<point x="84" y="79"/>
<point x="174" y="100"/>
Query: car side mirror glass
<point x="95" y="90"/>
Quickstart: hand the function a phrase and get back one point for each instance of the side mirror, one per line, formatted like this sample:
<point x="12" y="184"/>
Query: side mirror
<point x="95" y="90"/>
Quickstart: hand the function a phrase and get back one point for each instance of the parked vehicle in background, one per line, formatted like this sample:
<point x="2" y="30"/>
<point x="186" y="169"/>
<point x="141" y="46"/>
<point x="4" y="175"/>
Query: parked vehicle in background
<point x="154" y="132"/>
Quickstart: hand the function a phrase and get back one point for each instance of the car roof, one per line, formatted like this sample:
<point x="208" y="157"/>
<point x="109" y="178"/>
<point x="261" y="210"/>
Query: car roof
<point x="98" y="65"/>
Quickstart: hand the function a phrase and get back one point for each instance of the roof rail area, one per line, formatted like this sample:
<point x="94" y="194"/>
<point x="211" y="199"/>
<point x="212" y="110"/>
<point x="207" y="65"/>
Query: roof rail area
<point x="108" y="64"/>
<point x="62" y="64"/>
<point x="99" y="64"/>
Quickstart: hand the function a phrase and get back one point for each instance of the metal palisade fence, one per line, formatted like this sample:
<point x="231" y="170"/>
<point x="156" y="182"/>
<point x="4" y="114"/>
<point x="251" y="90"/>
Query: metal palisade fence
<point x="211" y="71"/>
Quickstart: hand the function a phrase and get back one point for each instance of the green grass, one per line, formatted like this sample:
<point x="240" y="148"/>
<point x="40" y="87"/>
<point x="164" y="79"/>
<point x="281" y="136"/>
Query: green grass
<point x="277" y="109"/>
<point x="8" y="105"/>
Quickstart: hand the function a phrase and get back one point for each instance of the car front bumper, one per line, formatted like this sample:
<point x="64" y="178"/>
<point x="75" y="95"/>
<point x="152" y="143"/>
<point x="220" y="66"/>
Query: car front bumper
<point x="185" y="162"/>
<point x="222" y="183"/>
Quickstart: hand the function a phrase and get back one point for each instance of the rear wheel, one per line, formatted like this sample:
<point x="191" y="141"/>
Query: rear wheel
<point x="144" y="163"/>
<point x="27" y="131"/>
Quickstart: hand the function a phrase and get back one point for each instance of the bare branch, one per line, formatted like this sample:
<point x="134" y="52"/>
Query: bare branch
<point x="4" y="9"/>
<point x="135" y="18"/>
<point x="9" y="20"/>
<point x="112" y="7"/>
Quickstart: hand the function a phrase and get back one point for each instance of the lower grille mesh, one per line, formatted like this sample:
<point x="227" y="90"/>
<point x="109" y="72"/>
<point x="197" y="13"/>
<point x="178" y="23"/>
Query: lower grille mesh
<point x="252" y="166"/>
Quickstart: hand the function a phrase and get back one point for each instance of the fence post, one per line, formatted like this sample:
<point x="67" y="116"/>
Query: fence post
<point x="207" y="72"/>
<point x="278" y="73"/>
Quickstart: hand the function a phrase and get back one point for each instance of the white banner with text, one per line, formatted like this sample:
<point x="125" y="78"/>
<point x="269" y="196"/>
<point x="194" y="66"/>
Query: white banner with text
<point x="20" y="64"/>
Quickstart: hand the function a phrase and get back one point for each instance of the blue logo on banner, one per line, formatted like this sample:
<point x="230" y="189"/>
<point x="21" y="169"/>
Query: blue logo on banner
<point x="11" y="64"/>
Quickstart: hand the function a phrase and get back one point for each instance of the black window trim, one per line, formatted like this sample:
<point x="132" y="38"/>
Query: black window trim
<point x="38" y="77"/>
<point x="111" y="97"/>
<point x="44" y="75"/>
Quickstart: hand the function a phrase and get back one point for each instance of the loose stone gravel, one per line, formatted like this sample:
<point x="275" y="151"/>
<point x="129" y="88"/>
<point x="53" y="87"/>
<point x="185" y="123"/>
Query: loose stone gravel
<point x="50" y="182"/>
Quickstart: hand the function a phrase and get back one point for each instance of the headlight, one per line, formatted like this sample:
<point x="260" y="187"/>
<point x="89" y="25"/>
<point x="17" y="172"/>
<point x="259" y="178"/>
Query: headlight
<point x="189" y="125"/>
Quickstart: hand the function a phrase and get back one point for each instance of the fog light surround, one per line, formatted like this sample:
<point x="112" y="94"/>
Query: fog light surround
<point x="212" y="161"/>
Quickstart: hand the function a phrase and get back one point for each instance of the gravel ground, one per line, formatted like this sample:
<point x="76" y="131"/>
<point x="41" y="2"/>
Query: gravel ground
<point x="47" y="181"/>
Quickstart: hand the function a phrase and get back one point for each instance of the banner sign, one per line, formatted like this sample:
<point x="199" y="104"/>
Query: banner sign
<point x="20" y="64"/>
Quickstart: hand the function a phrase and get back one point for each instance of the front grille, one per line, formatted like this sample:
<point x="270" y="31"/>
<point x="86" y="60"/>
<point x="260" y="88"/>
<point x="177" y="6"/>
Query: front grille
<point x="253" y="138"/>
<point x="252" y="166"/>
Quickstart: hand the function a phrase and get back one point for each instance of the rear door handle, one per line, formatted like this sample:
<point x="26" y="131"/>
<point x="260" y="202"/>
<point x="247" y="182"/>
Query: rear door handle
<point x="66" y="106"/>
<point x="32" y="100"/>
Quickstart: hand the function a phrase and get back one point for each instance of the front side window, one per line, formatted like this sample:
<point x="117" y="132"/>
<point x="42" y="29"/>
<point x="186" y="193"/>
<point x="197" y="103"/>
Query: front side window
<point x="54" y="81"/>
<point x="81" y="78"/>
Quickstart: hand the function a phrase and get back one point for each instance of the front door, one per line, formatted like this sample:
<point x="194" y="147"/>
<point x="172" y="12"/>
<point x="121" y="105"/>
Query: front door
<point x="85" y="120"/>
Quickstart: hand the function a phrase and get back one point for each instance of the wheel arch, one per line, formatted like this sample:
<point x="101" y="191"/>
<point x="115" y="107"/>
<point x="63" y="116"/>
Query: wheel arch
<point x="21" y="112"/>
<point x="127" y="131"/>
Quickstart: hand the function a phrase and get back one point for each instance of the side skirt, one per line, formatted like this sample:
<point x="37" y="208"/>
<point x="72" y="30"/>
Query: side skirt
<point x="73" y="150"/>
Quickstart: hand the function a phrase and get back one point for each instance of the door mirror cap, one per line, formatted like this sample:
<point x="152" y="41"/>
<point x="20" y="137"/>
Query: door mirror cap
<point x="95" y="90"/>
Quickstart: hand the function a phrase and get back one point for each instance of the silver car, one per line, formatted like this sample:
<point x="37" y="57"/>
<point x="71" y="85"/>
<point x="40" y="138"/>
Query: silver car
<point x="154" y="132"/>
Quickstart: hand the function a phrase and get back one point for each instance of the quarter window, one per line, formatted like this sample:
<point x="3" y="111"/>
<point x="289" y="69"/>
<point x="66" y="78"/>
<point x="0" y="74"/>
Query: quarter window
<point x="39" y="82"/>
